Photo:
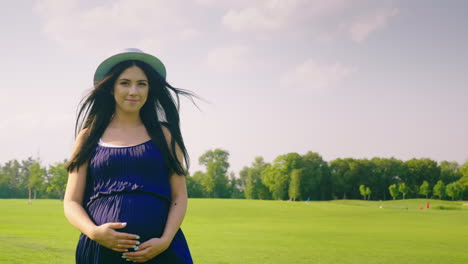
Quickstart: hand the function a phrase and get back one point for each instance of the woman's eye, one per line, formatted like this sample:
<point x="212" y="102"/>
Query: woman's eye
<point x="124" y="83"/>
<point x="143" y="84"/>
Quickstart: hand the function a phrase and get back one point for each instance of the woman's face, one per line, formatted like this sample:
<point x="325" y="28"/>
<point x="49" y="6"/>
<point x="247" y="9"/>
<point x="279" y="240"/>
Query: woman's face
<point x="131" y="90"/>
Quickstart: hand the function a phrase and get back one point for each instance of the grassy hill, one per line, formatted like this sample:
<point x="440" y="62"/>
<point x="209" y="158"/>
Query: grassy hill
<point x="223" y="231"/>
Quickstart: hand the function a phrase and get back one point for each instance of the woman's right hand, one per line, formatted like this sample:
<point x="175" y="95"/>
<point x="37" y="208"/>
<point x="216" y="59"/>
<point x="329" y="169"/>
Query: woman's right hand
<point x="107" y="236"/>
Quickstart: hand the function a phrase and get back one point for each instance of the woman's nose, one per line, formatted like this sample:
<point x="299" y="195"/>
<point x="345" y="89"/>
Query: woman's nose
<point x="133" y="89"/>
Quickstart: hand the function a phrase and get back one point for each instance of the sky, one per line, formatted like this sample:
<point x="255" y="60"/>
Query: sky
<point x="342" y="78"/>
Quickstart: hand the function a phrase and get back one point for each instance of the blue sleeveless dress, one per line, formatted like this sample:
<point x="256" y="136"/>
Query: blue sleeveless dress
<point x="129" y="184"/>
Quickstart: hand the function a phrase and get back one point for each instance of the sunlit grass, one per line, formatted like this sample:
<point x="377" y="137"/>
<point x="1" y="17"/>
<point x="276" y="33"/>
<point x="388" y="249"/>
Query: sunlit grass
<point x="253" y="231"/>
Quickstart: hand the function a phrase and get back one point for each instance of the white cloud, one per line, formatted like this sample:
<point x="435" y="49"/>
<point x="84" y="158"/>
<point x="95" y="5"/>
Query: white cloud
<point x="225" y="3"/>
<point x="228" y="59"/>
<point x="162" y="26"/>
<point x="251" y="18"/>
<point x="362" y="27"/>
<point x="278" y="14"/>
<point x="124" y="23"/>
<point x="323" y="19"/>
<point x="311" y="75"/>
<point x="55" y="7"/>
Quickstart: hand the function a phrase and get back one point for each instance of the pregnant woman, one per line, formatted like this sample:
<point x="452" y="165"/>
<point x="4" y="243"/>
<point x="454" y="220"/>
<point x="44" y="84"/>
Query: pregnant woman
<point x="126" y="189"/>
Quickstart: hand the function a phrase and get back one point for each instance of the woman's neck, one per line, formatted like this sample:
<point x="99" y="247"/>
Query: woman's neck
<point x="126" y="120"/>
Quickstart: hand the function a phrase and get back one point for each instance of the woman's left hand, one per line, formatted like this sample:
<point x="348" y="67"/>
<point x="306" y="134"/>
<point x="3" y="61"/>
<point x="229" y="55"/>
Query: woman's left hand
<point x="147" y="250"/>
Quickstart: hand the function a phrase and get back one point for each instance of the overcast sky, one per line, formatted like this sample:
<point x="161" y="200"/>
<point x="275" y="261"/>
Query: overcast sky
<point x="356" y="79"/>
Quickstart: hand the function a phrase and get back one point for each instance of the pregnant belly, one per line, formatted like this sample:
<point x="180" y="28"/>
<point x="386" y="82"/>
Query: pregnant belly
<point x="145" y="214"/>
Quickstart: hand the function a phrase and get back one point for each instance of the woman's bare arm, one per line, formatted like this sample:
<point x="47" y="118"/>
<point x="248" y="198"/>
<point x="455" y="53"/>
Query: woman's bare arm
<point x="179" y="197"/>
<point x="79" y="218"/>
<point x="74" y="193"/>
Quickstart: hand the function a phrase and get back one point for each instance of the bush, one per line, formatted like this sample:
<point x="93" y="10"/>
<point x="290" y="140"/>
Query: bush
<point x="445" y="207"/>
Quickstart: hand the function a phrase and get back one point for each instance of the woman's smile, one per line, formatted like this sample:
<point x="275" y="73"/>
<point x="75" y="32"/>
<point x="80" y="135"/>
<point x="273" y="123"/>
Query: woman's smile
<point x="131" y="90"/>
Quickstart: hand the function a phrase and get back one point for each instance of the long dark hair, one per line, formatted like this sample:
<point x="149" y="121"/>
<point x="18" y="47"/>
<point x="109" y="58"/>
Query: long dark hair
<point x="98" y="107"/>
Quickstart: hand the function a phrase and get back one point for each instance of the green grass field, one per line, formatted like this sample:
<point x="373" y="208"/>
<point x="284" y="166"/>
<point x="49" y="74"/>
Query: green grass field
<point x="254" y="232"/>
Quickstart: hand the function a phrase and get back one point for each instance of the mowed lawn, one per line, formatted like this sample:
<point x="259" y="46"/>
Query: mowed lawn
<point x="222" y="231"/>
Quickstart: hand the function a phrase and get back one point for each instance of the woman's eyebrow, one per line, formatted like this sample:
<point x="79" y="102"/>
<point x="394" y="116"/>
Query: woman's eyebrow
<point x="123" y="79"/>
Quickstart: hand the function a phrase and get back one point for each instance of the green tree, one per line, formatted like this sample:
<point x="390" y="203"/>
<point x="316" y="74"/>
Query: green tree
<point x="243" y="175"/>
<point x="36" y="179"/>
<point x="57" y="181"/>
<point x="254" y="188"/>
<point x="368" y="192"/>
<point x="215" y="182"/>
<point x="424" y="189"/>
<point x="403" y="189"/>
<point x="464" y="180"/>
<point x="439" y="189"/>
<point x="235" y="187"/>
<point x="316" y="182"/>
<point x="450" y="171"/>
<point x="277" y="176"/>
<point x="294" y="186"/>
<point x="341" y="177"/>
<point x="277" y="181"/>
<point x="419" y="170"/>
<point x="394" y="192"/>
<point x="10" y="186"/>
<point x="362" y="190"/>
<point x="25" y="171"/>
<point x="454" y="190"/>
<point x="385" y="172"/>
<point x="347" y="174"/>
<point x="194" y="186"/>
<point x="249" y="190"/>
<point x="242" y="181"/>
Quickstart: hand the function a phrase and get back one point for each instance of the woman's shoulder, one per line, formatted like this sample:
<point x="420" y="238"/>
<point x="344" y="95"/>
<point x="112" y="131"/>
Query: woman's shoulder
<point x="82" y="136"/>
<point x="79" y="141"/>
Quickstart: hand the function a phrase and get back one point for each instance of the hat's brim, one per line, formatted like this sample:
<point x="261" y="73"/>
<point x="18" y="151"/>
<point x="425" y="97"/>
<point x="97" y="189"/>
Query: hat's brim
<point x="105" y="66"/>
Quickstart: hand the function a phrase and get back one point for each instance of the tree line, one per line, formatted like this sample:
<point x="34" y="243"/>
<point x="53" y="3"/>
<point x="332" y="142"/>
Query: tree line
<point x="289" y="176"/>
<point x="29" y="179"/>
<point x="293" y="176"/>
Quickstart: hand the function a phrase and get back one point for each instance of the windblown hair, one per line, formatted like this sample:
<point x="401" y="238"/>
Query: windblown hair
<point x="98" y="107"/>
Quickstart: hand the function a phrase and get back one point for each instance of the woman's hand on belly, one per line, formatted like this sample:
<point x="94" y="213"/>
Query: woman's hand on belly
<point x="107" y="236"/>
<point x="147" y="250"/>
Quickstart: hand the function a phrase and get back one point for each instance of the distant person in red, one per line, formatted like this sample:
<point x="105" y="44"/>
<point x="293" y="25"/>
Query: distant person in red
<point x="126" y="189"/>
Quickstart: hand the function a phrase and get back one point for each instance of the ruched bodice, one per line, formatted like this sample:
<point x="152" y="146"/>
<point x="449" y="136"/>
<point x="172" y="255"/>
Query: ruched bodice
<point x="138" y="168"/>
